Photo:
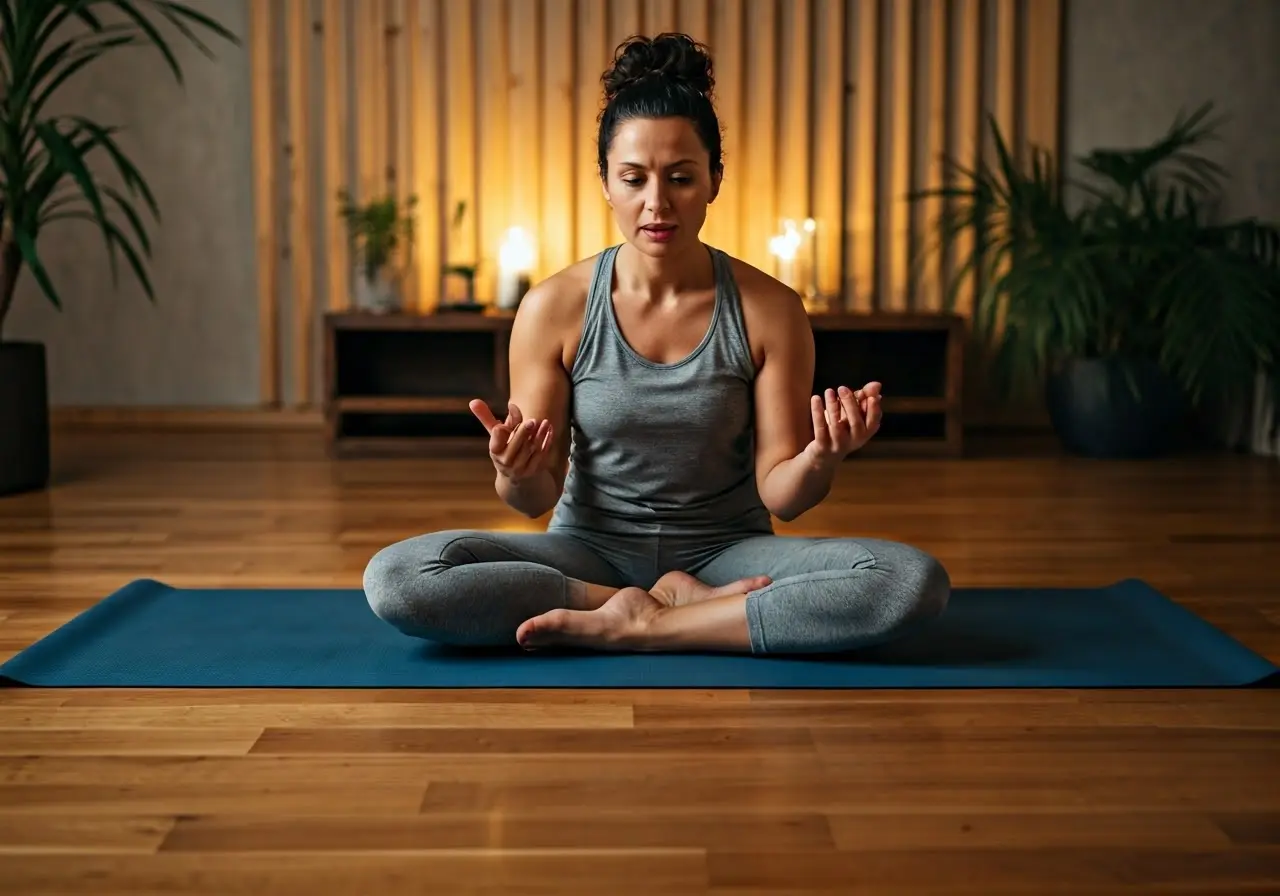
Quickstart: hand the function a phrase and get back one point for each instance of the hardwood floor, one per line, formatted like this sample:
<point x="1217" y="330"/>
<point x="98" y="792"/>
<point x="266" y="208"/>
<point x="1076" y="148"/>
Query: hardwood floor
<point x="662" y="792"/>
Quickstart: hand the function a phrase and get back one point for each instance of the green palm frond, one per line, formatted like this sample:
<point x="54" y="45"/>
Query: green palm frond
<point x="1140" y="269"/>
<point x="47" y="162"/>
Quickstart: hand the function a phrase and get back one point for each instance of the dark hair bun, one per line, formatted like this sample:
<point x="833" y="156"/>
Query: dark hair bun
<point x="676" y="59"/>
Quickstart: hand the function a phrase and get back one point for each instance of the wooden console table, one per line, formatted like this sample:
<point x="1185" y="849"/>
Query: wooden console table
<point x="401" y="382"/>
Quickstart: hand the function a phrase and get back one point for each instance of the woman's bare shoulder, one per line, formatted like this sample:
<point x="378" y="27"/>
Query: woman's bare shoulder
<point x="771" y="309"/>
<point x="552" y="310"/>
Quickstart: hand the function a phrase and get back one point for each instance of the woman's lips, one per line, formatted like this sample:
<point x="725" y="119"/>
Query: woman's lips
<point x="659" y="232"/>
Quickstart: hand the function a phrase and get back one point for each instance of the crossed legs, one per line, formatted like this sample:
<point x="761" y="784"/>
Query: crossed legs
<point x="551" y="589"/>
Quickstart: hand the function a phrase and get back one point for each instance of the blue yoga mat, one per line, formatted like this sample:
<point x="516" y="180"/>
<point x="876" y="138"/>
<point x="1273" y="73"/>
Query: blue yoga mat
<point x="149" y="634"/>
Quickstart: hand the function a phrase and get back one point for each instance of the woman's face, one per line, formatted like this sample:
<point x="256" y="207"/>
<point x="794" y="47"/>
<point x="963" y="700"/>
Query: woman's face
<point x="659" y="183"/>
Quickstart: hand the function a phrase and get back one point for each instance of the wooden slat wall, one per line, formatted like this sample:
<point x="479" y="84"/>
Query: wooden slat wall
<point x="832" y="109"/>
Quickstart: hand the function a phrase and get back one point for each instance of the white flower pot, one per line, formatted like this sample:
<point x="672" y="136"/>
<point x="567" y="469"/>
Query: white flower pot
<point x="378" y="295"/>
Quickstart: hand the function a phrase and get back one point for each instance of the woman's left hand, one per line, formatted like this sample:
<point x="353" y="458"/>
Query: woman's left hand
<point x="844" y="422"/>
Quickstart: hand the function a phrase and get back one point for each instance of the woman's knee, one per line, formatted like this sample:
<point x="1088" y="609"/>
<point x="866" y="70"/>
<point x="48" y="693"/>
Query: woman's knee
<point x="922" y="583"/>
<point x="397" y="579"/>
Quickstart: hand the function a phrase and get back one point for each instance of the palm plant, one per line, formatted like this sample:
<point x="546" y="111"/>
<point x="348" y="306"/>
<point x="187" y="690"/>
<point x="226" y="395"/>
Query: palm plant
<point x="45" y="159"/>
<point x="1138" y="271"/>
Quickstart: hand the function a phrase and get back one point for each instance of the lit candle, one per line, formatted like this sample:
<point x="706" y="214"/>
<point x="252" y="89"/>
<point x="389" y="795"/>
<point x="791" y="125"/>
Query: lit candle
<point x="515" y="261"/>
<point x="784" y="246"/>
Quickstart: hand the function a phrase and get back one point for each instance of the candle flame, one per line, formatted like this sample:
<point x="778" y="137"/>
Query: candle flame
<point x="516" y="252"/>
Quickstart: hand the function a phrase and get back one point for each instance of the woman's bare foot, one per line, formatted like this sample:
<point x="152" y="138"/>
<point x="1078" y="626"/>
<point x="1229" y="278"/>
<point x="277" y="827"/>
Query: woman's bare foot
<point x="675" y="589"/>
<point x="618" y="624"/>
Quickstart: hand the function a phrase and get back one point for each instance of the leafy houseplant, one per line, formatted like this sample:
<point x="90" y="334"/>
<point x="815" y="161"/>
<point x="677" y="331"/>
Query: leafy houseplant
<point x="1134" y="309"/>
<point x="377" y="230"/>
<point x="46" y="177"/>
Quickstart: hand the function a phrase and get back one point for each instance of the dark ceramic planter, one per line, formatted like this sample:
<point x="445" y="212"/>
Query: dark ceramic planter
<point x="1097" y="412"/>
<point x="24" y="418"/>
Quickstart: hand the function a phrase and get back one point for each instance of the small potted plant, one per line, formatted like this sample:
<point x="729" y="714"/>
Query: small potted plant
<point x="378" y="230"/>
<point x="1133" y="309"/>
<point x="47" y="177"/>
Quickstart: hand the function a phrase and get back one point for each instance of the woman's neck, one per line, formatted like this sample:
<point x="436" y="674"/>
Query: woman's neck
<point x="665" y="277"/>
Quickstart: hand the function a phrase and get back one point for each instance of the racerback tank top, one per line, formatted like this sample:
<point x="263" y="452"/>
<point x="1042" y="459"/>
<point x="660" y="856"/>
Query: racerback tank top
<point x="662" y="449"/>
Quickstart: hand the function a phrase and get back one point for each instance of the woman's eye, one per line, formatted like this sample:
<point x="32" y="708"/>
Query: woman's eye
<point x="632" y="182"/>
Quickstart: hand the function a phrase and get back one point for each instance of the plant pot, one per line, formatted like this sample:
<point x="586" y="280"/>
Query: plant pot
<point x="377" y="293"/>
<point x="1116" y="408"/>
<point x="24" y="418"/>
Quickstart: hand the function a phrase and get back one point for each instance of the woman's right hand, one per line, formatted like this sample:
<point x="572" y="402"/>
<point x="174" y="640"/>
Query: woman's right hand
<point x="520" y="449"/>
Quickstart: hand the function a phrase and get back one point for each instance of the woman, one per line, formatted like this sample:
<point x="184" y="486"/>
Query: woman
<point x="678" y="380"/>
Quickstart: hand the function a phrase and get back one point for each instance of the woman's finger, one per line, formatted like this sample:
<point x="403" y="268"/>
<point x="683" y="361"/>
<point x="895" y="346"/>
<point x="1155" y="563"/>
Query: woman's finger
<point x="535" y="453"/>
<point x="821" y="433"/>
<point x="833" y="411"/>
<point x="516" y="445"/>
<point x="852" y="413"/>
<point x="499" y="438"/>
<point x="873" y="414"/>
<point x="538" y="449"/>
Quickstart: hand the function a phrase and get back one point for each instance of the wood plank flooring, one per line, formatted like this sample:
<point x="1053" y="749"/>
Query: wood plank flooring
<point x="653" y="792"/>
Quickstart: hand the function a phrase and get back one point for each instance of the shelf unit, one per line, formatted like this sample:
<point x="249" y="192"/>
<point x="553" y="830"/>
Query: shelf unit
<point x="397" y="383"/>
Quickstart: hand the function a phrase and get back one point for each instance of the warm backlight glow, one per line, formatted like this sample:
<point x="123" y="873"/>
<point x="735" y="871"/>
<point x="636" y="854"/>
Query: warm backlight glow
<point x="517" y="253"/>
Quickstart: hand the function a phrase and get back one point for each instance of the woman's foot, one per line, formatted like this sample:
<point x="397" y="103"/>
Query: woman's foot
<point x="675" y="589"/>
<point x="618" y="624"/>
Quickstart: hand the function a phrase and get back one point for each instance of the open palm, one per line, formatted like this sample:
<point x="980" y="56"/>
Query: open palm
<point x="843" y="422"/>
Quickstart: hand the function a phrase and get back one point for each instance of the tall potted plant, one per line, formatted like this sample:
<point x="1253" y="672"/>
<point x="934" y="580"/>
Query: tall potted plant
<point x="47" y="176"/>
<point x="1131" y="307"/>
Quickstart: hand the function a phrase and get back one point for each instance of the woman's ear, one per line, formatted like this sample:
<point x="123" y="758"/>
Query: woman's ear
<point x="715" y="186"/>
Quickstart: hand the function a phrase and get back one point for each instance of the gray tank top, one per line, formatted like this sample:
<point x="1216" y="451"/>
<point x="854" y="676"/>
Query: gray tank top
<point x="662" y="448"/>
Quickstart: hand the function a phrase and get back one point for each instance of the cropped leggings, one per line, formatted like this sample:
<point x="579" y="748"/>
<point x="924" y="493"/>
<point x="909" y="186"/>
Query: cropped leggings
<point x="475" y="587"/>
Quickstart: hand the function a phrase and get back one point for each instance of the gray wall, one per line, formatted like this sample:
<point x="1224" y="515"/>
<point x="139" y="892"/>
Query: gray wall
<point x="198" y="344"/>
<point x="1131" y="65"/>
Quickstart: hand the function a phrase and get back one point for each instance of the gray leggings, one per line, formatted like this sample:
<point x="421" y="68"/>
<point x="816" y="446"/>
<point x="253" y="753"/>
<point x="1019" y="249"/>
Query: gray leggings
<point x="475" y="587"/>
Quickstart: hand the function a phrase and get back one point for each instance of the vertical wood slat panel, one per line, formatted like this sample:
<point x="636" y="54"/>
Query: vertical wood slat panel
<point x="423" y="68"/>
<point x="966" y="138"/>
<point x="459" y="124"/>
<point x="861" y="155"/>
<point x="494" y="103"/>
<point x="298" y="38"/>
<point x="899" y="156"/>
<point x="624" y="21"/>
<point x="1006" y="92"/>
<point x="402" y="19"/>
<point x="937" y="59"/>
<point x="380" y="58"/>
<point x="336" y="136"/>
<point x="759" y="129"/>
<point x="794" y="114"/>
<point x="524" y="50"/>
<point x="497" y="163"/>
<point x="727" y="42"/>
<point x="1042" y="90"/>
<point x="370" y="155"/>
<point x="554" y="239"/>
<point x="261" y="55"/>
<point x="693" y="17"/>
<point x="827" y="142"/>
<point x="593" y="51"/>
<point x="659" y="16"/>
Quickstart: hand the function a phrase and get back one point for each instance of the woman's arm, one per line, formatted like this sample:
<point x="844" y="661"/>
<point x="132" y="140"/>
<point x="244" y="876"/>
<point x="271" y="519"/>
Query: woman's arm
<point x="800" y="437"/>
<point x="539" y="399"/>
